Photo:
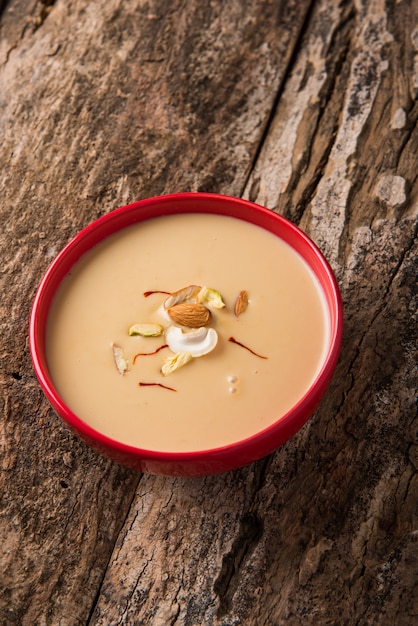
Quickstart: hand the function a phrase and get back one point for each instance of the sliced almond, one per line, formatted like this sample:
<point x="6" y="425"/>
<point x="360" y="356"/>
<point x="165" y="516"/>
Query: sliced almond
<point x="241" y="303"/>
<point x="189" y="315"/>
<point x="173" y="363"/>
<point x="186" y="294"/>
<point x="119" y="358"/>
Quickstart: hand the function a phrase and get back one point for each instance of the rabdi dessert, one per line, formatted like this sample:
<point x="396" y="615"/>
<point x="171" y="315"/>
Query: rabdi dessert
<point x="186" y="332"/>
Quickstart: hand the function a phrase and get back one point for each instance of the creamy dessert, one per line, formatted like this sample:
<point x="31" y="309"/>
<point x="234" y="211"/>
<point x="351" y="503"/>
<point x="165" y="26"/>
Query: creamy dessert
<point x="186" y="332"/>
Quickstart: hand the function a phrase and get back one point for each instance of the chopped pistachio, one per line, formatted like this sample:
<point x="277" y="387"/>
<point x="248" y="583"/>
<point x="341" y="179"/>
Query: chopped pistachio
<point x="120" y="361"/>
<point x="173" y="363"/>
<point x="211" y="297"/>
<point x="146" y="330"/>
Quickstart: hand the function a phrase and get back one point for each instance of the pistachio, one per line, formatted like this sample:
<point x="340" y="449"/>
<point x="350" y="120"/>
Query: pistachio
<point x="173" y="363"/>
<point x="189" y="315"/>
<point x="241" y="303"/>
<point x="146" y="330"/>
<point x="211" y="297"/>
<point x="119" y="358"/>
<point x="187" y="294"/>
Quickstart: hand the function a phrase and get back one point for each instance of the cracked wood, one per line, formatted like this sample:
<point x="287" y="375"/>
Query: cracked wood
<point x="310" y="109"/>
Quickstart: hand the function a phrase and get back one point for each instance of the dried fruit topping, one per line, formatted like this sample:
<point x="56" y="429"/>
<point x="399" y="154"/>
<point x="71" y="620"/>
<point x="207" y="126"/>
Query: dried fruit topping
<point x="187" y="294"/>
<point x="198" y="342"/>
<point x="241" y="303"/>
<point x="189" y="315"/>
<point x="120" y="361"/>
<point x="173" y="363"/>
<point x="146" y="330"/>
<point x="210" y="297"/>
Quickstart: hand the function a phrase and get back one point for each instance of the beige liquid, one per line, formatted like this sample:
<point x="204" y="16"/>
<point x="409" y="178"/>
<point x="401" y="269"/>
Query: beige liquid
<point x="222" y="397"/>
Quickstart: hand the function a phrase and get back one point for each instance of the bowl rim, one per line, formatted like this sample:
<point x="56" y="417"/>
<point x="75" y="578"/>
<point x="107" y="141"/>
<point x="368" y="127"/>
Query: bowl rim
<point x="159" y="206"/>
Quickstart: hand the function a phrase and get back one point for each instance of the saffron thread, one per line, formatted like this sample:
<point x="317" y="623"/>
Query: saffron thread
<point x="156" y="385"/>
<point x="150" y="293"/>
<point x="233" y="340"/>
<point x="148" y="353"/>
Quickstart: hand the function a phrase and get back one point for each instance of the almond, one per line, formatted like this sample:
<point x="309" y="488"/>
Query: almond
<point x="186" y="294"/>
<point x="119" y="357"/>
<point x="190" y="315"/>
<point x="241" y="303"/>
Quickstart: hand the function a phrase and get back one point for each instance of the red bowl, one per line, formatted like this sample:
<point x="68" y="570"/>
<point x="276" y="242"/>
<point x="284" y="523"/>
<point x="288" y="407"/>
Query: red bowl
<point x="202" y="462"/>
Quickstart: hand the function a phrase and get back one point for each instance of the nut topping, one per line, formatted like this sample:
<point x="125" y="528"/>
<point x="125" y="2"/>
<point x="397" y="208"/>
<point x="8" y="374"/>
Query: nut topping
<point x="187" y="294"/>
<point x="119" y="358"/>
<point x="241" y="303"/>
<point x="198" y="342"/>
<point x="189" y="315"/>
<point x="211" y="297"/>
<point x="173" y="363"/>
<point x="146" y="330"/>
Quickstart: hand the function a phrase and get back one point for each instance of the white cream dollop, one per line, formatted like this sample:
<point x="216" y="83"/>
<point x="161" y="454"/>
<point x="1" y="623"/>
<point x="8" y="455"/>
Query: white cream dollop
<point x="198" y="342"/>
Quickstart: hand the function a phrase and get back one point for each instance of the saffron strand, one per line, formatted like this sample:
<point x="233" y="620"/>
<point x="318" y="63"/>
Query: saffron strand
<point x="233" y="340"/>
<point x="141" y="384"/>
<point x="148" y="353"/>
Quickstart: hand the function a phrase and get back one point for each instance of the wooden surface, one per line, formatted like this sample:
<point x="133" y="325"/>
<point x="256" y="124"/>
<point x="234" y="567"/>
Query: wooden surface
<point x="308" y="108"/>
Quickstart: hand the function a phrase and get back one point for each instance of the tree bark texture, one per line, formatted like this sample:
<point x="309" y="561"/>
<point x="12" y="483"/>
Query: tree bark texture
<point x="306" y="107"/>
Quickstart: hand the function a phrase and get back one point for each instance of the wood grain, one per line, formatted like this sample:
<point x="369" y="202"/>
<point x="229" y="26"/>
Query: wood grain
<point x="310" y="109"/>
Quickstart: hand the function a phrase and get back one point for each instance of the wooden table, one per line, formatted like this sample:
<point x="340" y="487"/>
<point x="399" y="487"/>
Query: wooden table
<point x="308" y="108"/>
